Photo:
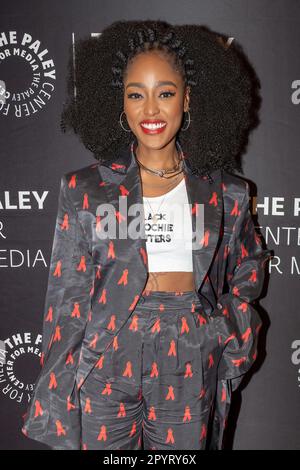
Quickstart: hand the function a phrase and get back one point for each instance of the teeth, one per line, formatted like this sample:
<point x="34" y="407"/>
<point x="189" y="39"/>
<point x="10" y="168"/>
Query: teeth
<point x="153" y="126"/>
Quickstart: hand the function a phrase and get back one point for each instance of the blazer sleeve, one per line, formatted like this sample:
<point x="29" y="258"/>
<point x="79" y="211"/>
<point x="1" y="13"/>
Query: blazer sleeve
<point x="245" y="276"/>
<point x="67" y="301"/>
<point x="52" y="412"/>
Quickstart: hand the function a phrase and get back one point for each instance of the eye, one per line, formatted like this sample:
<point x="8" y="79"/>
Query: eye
<point x="170" y="93"/>
<point x="132" y="95"/>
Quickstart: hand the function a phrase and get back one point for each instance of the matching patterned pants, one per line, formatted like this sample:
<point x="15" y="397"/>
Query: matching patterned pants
<point x="149" y="389"/>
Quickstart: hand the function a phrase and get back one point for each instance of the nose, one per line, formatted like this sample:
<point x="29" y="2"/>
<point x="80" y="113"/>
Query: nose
<point x="151" y="107"/>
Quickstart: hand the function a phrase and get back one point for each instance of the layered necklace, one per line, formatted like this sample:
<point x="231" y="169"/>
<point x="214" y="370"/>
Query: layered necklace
<point x="176" y="170"/>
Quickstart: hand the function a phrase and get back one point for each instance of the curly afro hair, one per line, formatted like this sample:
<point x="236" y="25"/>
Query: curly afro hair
<point x="224" y="90"/>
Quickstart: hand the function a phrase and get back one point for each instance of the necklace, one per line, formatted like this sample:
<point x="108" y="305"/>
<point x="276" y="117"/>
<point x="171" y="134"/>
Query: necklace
<point x="155" y="215"/>
<point x="162" y="172"/>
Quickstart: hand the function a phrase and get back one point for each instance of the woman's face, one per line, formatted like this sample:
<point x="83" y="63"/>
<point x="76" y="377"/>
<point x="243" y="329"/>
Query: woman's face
<point x="154" y="92"/>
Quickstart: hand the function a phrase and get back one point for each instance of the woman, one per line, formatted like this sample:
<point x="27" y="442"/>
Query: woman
<point x="147" y="333"/>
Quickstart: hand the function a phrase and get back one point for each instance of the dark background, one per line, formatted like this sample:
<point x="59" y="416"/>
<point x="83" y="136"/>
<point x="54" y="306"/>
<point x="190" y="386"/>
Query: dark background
<point x="34" y="154"/>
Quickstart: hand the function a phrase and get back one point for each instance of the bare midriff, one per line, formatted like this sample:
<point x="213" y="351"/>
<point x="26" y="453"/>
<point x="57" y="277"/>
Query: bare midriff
<point x="179" y="281"/>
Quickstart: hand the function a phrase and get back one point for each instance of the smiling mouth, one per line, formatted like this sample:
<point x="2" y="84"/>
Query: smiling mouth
<point x="153" y="127"/>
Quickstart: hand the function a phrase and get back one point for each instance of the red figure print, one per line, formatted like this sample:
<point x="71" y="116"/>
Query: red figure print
<point x="133" y="304"/>
<point x="238" y="362"/>
<point x="59" y="428"/>
<point x="195" y="208"/>
<point x="115" y="166"/>
<point x="119" y="216"/>
<point x="80" y="383"/>
<point x="170" y="394"/>
<point x="170" y="437"/>
<point x="99" y="364"/>
<point x="115" y="343"/>
<point x="123" y="278"/>
<point x="42" y="359"/>
<point x="111" y="250"/>
<point x="85" y="204"/>
<point x="210" y="361"/>
<point x="243" y="306"/>
<point x="203" y="432"/>
<point x="214" y="199"/>
<point x="49" y="316"/>
<point x="184" y="326"/>
<point x="72" y="182"/>
<point x="133" y="429"/>
<point x="128" y="370"/>
<point x="70" y="359"/>
<point x="107" y="390"/>
<point x="246" y="335"/>
<point x="53" y="382"/>
<point x="98" y="223"/>
<point x="253" y="277"/>
<point x="134" y="323"/>
<point x="154" y="370"/>
<point x="57" y="270"/>
<point x="188" y="370"/>
<point x="244" y="251"/>
<point x="122" y="411"/>
<point x="223" y="396"/>
<point x="235" y="210"/>
<point x="235" y="291"/>
<point x="76" y="311"/>
<point x="156" y="326"/>
<point x="225" y="312"/>
<point x="123" y="190"/>
<point x="81" y="266"/>
<point x="204" y="240"/>
<point x="187" y="414"/>
<point x="88" y="408"/>
<point x="65" y="224"/>
<point x="230" y="338"/>
<point x="102" y="434"/>
<point x="112" y="323"/>
<point x="57" y="335"/>
<point x="152" y="415"/>
<point x="102" y="298"/>
<point x="98" y="273"/>
<point x="201" y="319"/>
<point x="94" y="341"/>
<point x="202" y="393"/>
<point x="172" y="349"/>
<point x="226" y="252"/>
<point x="70" y="406"/>
<point x="38" y="409"/>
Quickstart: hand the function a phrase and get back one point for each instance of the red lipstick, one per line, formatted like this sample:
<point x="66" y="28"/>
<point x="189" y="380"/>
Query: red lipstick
<point x="153" y="126"/>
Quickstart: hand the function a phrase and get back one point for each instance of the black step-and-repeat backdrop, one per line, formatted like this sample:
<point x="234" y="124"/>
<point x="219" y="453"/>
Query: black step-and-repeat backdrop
<point x="35" y="37"/>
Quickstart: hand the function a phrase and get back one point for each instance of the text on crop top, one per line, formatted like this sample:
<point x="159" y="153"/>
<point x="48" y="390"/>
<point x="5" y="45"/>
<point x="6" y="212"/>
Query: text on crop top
<point x="168" y="240"/>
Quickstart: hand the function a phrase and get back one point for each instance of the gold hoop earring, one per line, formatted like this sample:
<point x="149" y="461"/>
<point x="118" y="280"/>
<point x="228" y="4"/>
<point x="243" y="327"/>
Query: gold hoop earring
<point x="189" y="121"/>
<point x="121" y="124"/>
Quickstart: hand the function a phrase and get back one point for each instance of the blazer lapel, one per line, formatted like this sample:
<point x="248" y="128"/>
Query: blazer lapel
<point x="122" y="180"/>
<point x="205" y="198"/>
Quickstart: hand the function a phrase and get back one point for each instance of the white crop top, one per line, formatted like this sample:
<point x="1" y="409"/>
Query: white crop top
<point x="168" y="230"/>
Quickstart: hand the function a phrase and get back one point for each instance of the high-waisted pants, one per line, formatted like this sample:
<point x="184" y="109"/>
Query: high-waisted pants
<point x="148" y="391"/>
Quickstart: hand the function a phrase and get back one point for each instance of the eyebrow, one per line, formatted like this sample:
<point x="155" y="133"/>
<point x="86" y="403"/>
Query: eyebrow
<point x="157" y="84"/>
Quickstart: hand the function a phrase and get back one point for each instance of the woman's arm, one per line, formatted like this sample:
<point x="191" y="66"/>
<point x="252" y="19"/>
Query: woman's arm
<point x="245" y="276"/>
